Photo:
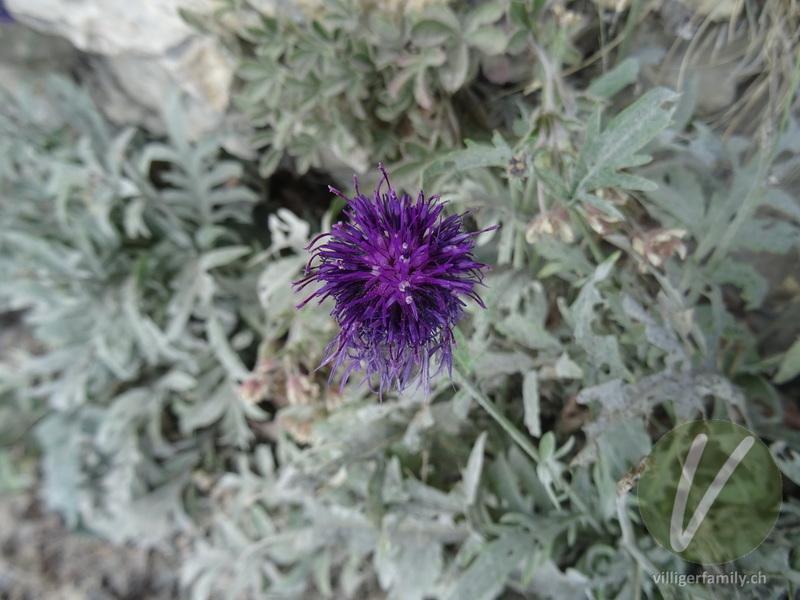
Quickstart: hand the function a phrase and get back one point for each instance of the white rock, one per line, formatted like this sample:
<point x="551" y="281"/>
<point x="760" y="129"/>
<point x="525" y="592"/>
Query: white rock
<point x="106" y="26"/>
<point x="142" y="50"/>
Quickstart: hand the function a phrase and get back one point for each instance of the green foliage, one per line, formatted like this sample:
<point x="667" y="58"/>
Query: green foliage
<point x="364" y="85"/>
<point x="618" y="322"/>
<point x="172" y="384"/>
<point x="613" y="149"/>
<point x="790" y="365"/>
<point x="134" y="295"/>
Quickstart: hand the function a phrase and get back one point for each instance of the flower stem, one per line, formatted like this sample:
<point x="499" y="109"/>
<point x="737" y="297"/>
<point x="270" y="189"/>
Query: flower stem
<point x="522" y="441"/>
<point x="494" y="412"/>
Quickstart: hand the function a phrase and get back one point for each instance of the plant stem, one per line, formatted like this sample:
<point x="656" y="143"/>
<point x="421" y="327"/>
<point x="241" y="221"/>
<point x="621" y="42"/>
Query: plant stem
<point x="522" y="441"/>
<point x="494" y="412"/>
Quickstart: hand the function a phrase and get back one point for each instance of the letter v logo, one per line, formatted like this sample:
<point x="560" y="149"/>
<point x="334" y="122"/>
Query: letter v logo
<point x="678" y="537"/>
<point x="709" y="491"/>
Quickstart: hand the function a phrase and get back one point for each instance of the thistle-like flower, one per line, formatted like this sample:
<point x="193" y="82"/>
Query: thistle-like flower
<point x="397" y="271"/>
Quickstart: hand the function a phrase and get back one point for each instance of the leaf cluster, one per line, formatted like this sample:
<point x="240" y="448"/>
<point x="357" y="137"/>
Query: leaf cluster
<point x="364" y="85"/>
<point x="126" y="259"/>
<point x="599" y="334"/>
<point x="609" y="321"/>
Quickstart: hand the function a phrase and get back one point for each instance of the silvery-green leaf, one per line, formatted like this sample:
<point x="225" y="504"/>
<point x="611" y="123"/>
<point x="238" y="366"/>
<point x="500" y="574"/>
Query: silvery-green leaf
<point x="530" y="401"/>
<point x="489" y="40"/>
<point x="430" y="32"/>
<point x="483" y="14"/>
<point x="790" y="365"/>
<point x="615" y="148"/>
<point x="472" y="473"/>
<point x="615" y="80"/>
<point x="486" y="577"/>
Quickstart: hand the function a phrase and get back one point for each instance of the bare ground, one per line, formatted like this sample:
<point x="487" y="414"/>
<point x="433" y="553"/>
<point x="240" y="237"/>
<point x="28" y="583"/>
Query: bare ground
<point x="41" y="560"/>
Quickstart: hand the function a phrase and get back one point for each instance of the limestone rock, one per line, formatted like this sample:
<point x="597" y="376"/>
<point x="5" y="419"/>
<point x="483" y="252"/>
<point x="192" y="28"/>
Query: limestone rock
<point x="140" y="51"/>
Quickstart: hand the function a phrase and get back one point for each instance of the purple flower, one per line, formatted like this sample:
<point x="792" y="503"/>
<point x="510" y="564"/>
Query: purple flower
<point x="397" y="271"/>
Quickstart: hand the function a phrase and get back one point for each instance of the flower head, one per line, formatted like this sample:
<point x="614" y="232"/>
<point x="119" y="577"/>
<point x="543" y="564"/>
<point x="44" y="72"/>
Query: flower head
<point x="549" y="225"/>
<point x="657" y="245"/>
<point x="397" y="271"/>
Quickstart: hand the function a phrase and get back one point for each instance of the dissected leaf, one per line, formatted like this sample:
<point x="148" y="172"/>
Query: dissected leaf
<point x="615" y="147"/>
